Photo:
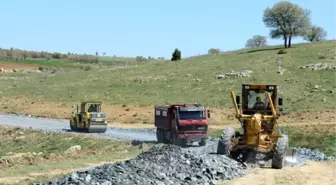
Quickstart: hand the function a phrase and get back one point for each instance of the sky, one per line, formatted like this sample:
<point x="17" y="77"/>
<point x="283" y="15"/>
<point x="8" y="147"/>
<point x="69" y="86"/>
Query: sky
<point x="143" y="27"/>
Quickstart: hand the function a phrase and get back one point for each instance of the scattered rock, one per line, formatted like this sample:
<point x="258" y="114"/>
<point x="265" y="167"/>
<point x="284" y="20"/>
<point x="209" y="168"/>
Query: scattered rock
<point x="245" y="73"/>
<point x="73" y="149"/>
<point x="281" y="70"/>
<point x="319" y="66"/>
<point x="317" y="86"/>
<point x="20" y="138"/>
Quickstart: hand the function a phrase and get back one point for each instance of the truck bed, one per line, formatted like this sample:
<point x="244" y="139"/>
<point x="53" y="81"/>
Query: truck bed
<point x="161" y="119"/>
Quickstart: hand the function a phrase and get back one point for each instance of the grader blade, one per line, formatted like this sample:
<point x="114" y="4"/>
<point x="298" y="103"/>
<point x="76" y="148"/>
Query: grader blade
<point x="97" y="128"/>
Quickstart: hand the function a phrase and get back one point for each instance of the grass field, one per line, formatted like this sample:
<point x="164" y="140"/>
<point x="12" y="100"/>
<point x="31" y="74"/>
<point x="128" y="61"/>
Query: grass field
<point x="29" y="154"/>
<point x="191" y="80"/>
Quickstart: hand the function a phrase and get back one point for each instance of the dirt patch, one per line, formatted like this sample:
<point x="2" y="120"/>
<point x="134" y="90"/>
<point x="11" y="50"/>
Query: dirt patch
<point x="8" y="65"/>
<point x="138" y="116"/>
<point x="315" y="173"/>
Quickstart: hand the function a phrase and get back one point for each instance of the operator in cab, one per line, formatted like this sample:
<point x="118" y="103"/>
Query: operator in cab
<point x="259" y="104"/>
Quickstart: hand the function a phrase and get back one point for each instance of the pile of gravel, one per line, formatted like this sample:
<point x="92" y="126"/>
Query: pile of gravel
<point x="313" y="155"/>
<point x="167" y="164"/>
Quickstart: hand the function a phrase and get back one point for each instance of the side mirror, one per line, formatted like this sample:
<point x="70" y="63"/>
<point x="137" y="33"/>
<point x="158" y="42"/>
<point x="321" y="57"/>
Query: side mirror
<point x="208" y="113"/>
<point x="280" y="101"/>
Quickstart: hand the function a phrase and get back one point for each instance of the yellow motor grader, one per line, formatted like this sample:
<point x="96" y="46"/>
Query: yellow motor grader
<point x="89" y="118"/>
<point x="258" y="116"/>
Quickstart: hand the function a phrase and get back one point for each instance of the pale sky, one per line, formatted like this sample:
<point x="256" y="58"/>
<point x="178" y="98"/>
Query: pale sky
<point x="143" y="28"/>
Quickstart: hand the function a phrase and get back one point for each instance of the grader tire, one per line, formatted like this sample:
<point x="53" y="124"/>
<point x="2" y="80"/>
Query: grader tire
<point x="225" y="141"/>
<point x="72" y="127"/>
<point x="164" y="138"/>
<point x="281" y="146"/>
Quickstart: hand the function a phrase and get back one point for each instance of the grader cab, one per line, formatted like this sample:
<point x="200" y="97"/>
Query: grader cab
<point x="89" y="118"/>
<point x="257" y="112"/>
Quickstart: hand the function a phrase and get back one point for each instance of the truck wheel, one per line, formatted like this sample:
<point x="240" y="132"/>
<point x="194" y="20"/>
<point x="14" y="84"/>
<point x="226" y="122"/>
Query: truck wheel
<point x="225" y="141"/>
<point x="203" y="142"/>
<point x="164" y="138"/>
<point x="159" y="135"/>
<point x="281" y="146"/>
<point x="175" y="140"/>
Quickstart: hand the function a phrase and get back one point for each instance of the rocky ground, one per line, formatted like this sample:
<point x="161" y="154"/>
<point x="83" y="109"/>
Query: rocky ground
<point x="319" y="66"/>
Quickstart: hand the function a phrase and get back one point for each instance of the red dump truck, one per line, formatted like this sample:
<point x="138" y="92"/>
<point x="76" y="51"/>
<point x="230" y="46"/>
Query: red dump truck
<point x="181" y="124"/>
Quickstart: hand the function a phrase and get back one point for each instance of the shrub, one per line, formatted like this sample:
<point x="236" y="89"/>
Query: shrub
<point x="214" y="51"/>
<point x="87" y="68"/>
<point x="176" y="55"/>
<point x="282" y="51"/>
<point x="141" y="59"/>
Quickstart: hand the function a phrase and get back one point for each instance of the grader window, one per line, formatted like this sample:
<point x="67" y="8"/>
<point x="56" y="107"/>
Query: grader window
<point x="94" y="108"/>
<point x="258" y="99"/>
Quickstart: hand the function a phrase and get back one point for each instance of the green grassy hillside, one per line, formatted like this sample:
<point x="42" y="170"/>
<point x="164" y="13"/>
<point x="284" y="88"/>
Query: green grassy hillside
<point x="191" y="80"/>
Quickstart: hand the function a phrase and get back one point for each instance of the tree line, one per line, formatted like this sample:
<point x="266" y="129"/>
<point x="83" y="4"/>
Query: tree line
<point x="17" y="54"/>
<point x="288" y="20"/>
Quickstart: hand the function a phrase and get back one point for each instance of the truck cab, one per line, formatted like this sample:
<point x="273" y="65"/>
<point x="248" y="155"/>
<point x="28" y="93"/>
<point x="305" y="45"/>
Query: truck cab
<point x="181" y="123"/>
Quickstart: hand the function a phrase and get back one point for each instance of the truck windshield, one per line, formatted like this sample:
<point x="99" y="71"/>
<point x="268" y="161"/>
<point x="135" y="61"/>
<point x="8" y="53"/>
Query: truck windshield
<point x="192" y="115"/>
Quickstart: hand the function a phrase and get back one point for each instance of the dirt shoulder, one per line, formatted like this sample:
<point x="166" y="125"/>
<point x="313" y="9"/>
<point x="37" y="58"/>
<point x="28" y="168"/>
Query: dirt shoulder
<point x="142" y="116"/>
<point x="315" y="173"/>
<point x="18" y="66"/>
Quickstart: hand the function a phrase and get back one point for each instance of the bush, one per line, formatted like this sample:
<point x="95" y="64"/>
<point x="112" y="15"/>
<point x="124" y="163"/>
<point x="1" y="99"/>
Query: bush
<point x="282" y="51"/>
<point x="322" y="57"/>
<point x="56" y="55"/>
<point x="176" y="55"/>
<point x="141" y="59"/>
<point x="214" y="51"/>
<point x="87" y="68"/>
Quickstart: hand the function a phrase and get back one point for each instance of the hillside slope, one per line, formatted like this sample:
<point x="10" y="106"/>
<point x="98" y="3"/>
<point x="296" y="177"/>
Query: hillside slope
<point x="186" y="81"/>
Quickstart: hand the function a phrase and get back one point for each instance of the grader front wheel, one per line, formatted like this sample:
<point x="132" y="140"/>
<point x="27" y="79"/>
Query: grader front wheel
<point x="278" y="159"/>
<point x="71" y="126"/>
<point x="224" y="143"/>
